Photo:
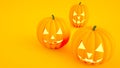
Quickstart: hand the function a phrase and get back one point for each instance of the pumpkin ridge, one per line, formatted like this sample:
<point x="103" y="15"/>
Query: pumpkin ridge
<point x="90" y="38"/>
<point x="47" y="22"/>
<point x="42" y="27"/>
<point x="106" y="37"/>
<point x="103" y="41"/>
<point x="64" y="30"/>
<point x="81" y="35"/>
<point x="107" y="34"/>
<point x="94" y="46"/>
<point x="84" y="37"/>
<point x="48" y="25"/>
<point x="77" y="39"/>
<point x="97" y="35"/>
<point x="43" y="22"/>
<point x="56" y="25"/>
<point x="110" y="38"/>
<point x="61" y="25"/>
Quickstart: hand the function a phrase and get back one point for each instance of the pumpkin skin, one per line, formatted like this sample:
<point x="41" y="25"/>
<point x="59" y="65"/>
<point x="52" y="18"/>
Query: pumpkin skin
<point x="78" y="15"/>
<point x="92" y="45"/>
<point x="52" y="33"/>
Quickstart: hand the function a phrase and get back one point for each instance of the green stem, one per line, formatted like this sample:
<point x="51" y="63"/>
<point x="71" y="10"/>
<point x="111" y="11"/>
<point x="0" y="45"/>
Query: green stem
<point x="53" y="17"/>
<point x="94" y="28"/>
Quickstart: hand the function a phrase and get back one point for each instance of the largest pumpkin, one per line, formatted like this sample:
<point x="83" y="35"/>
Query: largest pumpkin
<point x="92" y="45"/>
<point x="52" y="32"/>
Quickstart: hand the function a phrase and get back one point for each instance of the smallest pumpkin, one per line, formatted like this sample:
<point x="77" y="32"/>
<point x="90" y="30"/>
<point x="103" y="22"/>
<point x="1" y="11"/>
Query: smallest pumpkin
<point x="78" y="15"/>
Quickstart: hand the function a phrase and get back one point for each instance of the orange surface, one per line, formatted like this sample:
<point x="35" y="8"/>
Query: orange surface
<point x="19" y="47"/>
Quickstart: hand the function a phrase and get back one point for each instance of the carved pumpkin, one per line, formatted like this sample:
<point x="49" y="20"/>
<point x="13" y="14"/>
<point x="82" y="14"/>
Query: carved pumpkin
<point x="78" y="15"/>
<point x="52" y="32"/>
<point x="92" y="45"/>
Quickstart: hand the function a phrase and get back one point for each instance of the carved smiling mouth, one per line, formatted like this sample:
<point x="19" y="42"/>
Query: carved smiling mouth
<point x="90" y="60"/>
<point x="53" y="42"/>
<point x="78" y="21"/>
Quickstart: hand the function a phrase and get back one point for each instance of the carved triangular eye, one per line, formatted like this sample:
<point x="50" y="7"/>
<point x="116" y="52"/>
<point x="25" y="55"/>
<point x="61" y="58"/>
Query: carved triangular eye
<point x="59" y="31"/>
<point x="74" y="13"/>
<point x="100" y="48"/>
<point x="82" y="14"/>
<point x="81" y="46"/>
<point x="45" y="31"/>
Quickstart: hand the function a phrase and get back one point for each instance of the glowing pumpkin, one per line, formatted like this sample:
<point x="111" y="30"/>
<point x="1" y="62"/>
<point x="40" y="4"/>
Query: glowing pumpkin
<point x="78" y="15"/>
<point x="52" y="32"/>
<point x="92" y="45"/>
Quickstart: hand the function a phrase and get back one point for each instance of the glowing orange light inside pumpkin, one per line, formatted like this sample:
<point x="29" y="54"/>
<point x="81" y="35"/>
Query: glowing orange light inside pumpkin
<point x="52" y="32"/>
<point x="78" y="15"/>
<point x="92" y="45"/>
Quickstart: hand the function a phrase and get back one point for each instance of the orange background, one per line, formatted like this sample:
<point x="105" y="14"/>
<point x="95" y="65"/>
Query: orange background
<point x="19" y="47"/>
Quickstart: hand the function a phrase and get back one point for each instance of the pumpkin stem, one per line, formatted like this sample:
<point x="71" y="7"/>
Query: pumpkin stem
<point x="94" y="28"/>
<point x="80" y="3"/>
<point x="53" y="17"/>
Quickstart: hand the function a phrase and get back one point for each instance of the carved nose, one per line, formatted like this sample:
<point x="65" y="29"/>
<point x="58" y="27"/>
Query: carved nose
<point x="89" y="55"/>
<point x="52" y="37"/>
<point x="78" y="17"/>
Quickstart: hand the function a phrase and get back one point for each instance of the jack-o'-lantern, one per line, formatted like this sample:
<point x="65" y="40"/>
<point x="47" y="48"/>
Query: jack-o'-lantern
<point x="52" y="32"/>
<point x="92" y="45"/>
<point x="78" y="15"/>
